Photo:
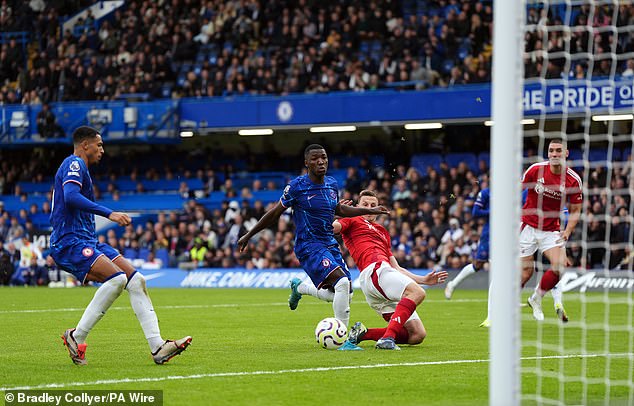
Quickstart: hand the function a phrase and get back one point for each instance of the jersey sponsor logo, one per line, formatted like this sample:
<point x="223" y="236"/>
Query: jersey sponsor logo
<point x="72" y="173"/>
<point x="87" y="252"/>
<point x="325" y="262"/>
<point x="540" y="189"/>
<point x="74" y="166"/>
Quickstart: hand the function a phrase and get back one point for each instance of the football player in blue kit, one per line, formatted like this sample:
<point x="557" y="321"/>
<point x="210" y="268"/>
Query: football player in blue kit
<point x="480" y="211"/>
<point x="75" y="248"/>
<point x="314" y="198"/>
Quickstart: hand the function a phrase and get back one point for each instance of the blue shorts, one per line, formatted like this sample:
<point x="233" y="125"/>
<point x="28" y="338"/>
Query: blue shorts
<point x="321" y="261"/>
<point x="77" y="256"/>
<point x="482" y="254"/>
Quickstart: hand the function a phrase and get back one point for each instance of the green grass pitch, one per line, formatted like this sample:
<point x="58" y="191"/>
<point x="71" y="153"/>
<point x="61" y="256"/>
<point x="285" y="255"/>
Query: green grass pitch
<point x="249" y="348"/>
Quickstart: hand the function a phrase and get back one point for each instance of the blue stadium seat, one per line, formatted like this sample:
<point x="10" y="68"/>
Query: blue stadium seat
<point x="35" y="187"/>
<point x="161" y="185"/>
<point x="267" y="196"/>
<point x="40" y="220"/>
<point x="377" y="160"/>
<point x="601" y="155"/>
<point x="130" y="253"/>
<point x="163" y="255"/>
<point x="422" y="161"/>
<point x="339" y="174"/>
<point x="453" y="159"/>
<point x="144" y="253"/>
<point x="486" y="157"/>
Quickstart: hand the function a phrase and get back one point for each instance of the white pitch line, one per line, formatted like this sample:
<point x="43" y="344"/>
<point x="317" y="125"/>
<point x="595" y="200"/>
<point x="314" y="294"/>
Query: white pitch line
<point x="220" y="305"/>
<point x="294" y="371"/>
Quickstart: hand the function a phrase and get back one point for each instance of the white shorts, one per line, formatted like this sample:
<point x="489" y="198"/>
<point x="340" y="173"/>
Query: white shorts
<point x="532" y="239"/>
<point x="386" y="290"/>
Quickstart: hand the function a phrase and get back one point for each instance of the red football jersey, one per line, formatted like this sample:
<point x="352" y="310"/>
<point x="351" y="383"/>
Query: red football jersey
<point x="548" y="194"/>
<point x="367" y="242"/>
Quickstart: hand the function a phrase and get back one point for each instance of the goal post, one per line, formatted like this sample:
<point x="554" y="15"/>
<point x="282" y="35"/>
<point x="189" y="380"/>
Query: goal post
<point x="506" y="158"/>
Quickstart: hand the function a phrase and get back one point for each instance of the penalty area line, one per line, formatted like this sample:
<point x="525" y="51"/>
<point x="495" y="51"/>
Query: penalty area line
<point x="294" y="371"/>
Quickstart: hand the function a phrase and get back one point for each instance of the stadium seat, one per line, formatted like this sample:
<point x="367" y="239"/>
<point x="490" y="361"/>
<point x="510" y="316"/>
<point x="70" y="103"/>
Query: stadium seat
<point x="130" y="253"/>
<point x="35" y="187"/>
<point x="163" y="255"/>
<point x="422" y="161"/>
<point x="453" y="159"/>
<point x="486" y="157"/>
<point x="267" y="196"/>
<point x="144" y="254"/>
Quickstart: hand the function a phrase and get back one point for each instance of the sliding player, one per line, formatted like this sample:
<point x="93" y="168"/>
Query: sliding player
<point x="392" y="291"/>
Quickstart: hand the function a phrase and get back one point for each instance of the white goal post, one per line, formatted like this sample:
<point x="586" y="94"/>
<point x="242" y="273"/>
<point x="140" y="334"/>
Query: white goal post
<point x="506" y="161"/>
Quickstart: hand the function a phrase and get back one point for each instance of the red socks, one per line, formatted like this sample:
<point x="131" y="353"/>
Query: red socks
<point x="374" y="334"/>
<point x="549" y="280"/>
<point x="402" y="313"/>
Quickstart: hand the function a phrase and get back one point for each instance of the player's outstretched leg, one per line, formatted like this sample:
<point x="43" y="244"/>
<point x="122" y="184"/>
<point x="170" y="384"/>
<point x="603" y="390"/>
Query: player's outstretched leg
<point x="170" y="349"/>
<point x="162" y="350"/>
<point x="535" y="303"/>
<point x="76" y="351"/>
<point x="106" y="294"/>
<point x="559" y="306"/>
<point x="467" y="271"/>
<point x="387" y="343"/>
<point x="357" y="332"/>
<point x="341" y="300"/>
<point x="295" y="296"/>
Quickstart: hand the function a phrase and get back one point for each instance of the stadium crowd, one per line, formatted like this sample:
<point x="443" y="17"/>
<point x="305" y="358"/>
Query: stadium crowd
<point x="430" y="223"/>
<point x="219" y="48"/>
<point x="198" y="48"/>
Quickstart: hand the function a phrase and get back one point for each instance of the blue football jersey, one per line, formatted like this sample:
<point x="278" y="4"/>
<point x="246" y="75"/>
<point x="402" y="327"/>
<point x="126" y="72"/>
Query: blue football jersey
<point x="481" y="209"/>
<point x="65" y="220"/>
<point x="313" y="210"/>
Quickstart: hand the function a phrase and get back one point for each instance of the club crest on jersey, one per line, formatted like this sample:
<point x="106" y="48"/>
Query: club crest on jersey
<point x="87" y="252"/>
<point x="325" y="262"/>
<point x="74" y="166"/>
<point x="333" y="195"/>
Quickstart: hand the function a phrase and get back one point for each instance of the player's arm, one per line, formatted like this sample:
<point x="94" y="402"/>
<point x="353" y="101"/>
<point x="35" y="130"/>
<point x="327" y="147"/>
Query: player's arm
<point x="268" y="220"/>
<point x="479" y="211"/>
<point x="573" y="219"/>
<point x="343" y="210"/>
<point x="74" y="199"/>
<point x="432" y="278"/>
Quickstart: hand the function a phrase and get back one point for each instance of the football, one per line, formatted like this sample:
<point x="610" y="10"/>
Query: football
<point x="331" y="333"/>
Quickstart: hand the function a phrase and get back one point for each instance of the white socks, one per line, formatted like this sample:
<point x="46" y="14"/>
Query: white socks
<point x="341" y="300"/>
<point x="467" y="271"/>
<point x="142" y="306"/>
<point x="307" y="288"/>
<point x="557" y="295"/>
<point x="105" y="295"/>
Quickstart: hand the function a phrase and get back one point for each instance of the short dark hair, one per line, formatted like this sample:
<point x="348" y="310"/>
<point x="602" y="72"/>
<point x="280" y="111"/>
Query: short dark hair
<point x="557" y="141"/>
<point x="368" y="192"/>
<point x="83" y="133"/>
<point x="312" y="147"/>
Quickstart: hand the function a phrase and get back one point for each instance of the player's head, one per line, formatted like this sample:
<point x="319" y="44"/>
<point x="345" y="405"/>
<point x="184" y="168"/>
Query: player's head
<point x="88" y="144"/>
<point x="368" y="198"/>
<point x="557" y="152"/>
<point x="316" y="159"/>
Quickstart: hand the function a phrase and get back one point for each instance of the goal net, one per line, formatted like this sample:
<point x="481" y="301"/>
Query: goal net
<point x="578" y="86"/>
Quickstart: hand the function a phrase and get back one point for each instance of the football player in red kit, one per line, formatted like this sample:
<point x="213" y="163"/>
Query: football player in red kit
<point x="392" y="291"/>
<point x="551" y="187"/>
